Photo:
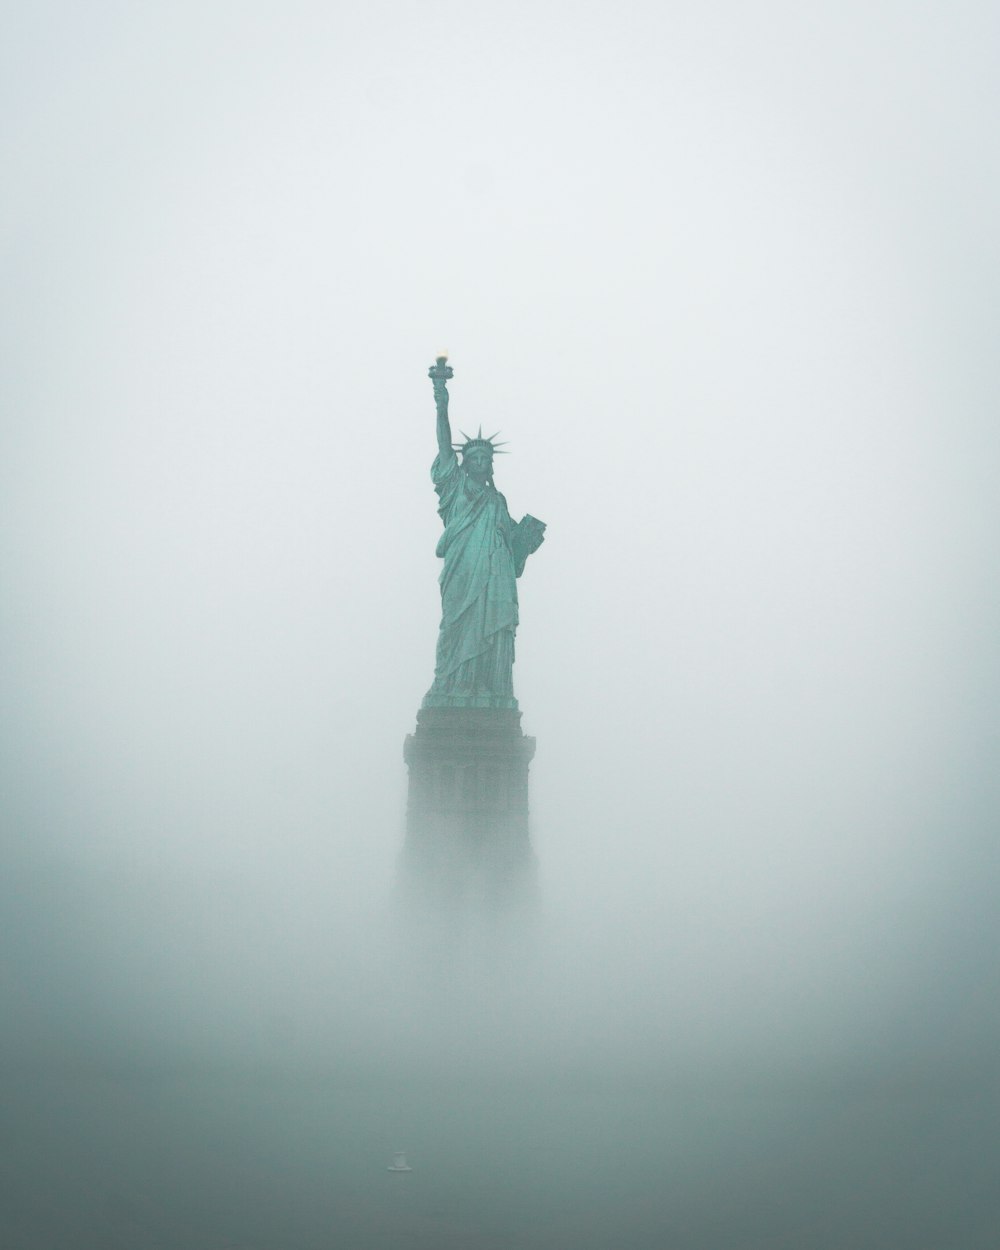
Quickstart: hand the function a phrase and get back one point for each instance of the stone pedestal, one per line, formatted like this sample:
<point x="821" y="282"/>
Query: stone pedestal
<point x="467" y="843"/>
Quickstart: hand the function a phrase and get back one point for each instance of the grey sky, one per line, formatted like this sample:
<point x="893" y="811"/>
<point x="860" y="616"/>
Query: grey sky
<point x="726" y="277"/>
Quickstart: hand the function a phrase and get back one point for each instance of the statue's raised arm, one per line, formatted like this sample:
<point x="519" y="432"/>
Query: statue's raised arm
<point x="439" y="373"/>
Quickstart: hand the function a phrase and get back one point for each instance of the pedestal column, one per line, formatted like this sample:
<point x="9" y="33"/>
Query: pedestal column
<point x="467" y="839"/>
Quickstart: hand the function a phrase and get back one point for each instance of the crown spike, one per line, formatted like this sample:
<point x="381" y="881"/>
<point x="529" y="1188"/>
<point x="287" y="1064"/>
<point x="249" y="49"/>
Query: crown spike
<point x="480" y="443"/>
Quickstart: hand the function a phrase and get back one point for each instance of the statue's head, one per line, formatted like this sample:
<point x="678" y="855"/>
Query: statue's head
<point x="477" y="455"/>
<point x="478" y="463"/>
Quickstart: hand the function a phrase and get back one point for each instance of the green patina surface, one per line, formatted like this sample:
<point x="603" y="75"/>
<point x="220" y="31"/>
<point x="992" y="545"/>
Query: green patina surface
<point x="484" y="552"/>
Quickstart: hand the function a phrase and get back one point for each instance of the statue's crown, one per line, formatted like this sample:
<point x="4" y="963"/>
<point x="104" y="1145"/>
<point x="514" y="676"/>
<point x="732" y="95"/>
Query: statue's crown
<point x="472" y="444"/>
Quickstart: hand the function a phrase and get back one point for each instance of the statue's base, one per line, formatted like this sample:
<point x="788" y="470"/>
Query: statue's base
<point x="467" y="842"/>
<point x="492" y="702"/>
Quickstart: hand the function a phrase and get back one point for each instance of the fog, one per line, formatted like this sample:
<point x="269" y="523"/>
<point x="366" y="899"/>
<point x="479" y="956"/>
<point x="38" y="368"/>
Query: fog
<point x="727" y="279"/>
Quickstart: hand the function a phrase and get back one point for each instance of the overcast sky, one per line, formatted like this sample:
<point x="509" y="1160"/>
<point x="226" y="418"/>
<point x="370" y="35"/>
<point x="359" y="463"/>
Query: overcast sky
<point x="725" y="275"/>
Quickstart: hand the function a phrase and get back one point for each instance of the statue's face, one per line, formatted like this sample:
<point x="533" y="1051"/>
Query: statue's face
<point x="478" y="463"/>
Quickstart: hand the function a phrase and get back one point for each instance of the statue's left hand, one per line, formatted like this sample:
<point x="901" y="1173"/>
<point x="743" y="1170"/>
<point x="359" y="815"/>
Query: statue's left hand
<point x="533" y="531"/>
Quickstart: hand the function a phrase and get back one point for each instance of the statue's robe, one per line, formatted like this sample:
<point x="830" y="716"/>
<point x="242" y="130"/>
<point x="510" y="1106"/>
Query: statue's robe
<point x="475" y="649"/>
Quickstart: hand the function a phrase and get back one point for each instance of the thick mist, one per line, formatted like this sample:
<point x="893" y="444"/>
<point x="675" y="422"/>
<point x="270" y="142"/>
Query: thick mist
<point x="726" y="278"/>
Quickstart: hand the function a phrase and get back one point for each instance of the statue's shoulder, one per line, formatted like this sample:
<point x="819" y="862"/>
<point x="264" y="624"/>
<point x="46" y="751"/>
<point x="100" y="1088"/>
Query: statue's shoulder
<point x="444" y="467"/>
<point x="447" y="477"/>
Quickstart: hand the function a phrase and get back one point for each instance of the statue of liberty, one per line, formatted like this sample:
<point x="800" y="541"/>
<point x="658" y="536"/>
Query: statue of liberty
<point x="484" y="552"/>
